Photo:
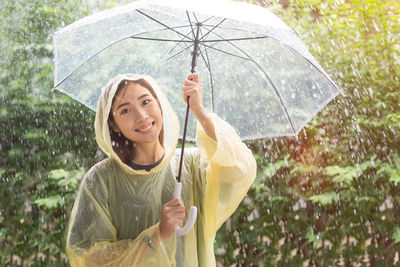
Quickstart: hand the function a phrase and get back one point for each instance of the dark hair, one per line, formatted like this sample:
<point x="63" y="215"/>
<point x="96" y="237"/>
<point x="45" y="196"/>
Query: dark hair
<point x="124" y="147"/>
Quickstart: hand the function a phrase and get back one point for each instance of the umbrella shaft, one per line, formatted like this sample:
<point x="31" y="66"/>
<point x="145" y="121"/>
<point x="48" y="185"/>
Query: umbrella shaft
<point x="195" y="48"/>
<point x="194" y="59"/>
<point x="178" y="178"/>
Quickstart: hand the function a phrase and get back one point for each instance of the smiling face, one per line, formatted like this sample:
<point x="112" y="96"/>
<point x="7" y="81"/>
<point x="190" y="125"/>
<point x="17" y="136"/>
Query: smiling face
<point x="137" y="114"/>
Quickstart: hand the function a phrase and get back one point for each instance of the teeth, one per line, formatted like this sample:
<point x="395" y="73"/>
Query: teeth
<point x="143" y="130"/>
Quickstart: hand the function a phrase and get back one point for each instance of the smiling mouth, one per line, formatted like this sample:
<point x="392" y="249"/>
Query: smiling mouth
<point x="146" y="129"/>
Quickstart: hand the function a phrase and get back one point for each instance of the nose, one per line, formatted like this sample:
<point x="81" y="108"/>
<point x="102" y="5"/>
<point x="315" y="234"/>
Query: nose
<point x="140" y="115"/>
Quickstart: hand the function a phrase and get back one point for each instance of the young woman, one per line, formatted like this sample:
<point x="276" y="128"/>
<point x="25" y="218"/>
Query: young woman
<point x="125" y="213"/>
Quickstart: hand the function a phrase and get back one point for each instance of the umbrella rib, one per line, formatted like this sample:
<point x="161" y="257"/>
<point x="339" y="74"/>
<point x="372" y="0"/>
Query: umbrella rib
<point x="208" y="64"/>
<point x="236" y="39"/>
<point x="225" y="40"/>
<point x="157" y="39"/>
<point x="275" y="90"/>
<point x="294" y="50"/>
<point x="120" y="40"/>
<point x="163" y="29"/>
<point x="197" y="21"/>
<point x="200" y="52"/>
<point x="151" y="39"/>
<point x="178" y="52"/>
<point x="228" y="28"/>
<point x="206" y="20"/>
<point x="205" y="62"/>
<point x="187" y="47"/>
<point x="95" y="54"/>
<point x="329" y="80"/>
<point x="222" y="51"/>
<point x="273" y="86"/>
<point x="159" y="22"/>
<point x="190" y="23"/>
<point x="204" y="36"/>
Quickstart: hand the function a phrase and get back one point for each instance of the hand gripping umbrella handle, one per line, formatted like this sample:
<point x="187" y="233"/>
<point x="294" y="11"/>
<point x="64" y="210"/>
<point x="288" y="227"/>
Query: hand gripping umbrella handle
<point x="192" y="214"/>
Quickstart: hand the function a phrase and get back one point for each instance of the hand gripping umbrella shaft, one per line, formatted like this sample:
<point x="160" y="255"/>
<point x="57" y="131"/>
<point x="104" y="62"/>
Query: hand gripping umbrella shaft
<point x="192" y="214"/>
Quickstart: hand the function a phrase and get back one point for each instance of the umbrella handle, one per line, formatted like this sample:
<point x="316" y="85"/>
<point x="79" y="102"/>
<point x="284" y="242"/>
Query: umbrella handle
<point x="192" y="213"/>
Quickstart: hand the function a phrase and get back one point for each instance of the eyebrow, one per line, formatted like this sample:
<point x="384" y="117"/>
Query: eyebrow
<point x="127" y="103"/>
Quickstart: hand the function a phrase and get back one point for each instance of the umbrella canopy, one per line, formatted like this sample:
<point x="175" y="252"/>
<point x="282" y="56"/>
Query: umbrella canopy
<point x="256" y="73"/>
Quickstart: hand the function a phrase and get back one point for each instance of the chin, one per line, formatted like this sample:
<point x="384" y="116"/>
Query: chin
<point x="147" y="139"/>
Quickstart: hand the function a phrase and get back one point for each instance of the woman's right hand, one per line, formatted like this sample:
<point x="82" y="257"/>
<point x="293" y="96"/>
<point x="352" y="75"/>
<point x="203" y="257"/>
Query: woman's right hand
<point x="172" y="215"/>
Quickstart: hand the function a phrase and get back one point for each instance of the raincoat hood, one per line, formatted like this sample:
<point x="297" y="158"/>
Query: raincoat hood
<point x="103" y="138"/>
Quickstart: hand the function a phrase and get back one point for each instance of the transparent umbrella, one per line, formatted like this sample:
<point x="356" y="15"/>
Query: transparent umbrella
<point x="256" y="73"/>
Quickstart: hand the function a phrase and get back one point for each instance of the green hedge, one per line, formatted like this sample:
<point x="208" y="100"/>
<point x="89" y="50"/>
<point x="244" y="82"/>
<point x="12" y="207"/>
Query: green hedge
<point x="330" y="196"/>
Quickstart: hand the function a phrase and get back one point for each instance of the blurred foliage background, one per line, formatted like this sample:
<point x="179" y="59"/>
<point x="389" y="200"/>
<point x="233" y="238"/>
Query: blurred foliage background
<point x="327" y="197"/>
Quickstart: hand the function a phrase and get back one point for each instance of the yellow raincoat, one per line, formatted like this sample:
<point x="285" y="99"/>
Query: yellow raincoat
<point x="118" y="209"/>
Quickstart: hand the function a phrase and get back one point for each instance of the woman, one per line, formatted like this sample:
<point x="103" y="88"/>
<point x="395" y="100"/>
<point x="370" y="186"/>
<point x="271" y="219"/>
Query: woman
<point x="124" y="213"/>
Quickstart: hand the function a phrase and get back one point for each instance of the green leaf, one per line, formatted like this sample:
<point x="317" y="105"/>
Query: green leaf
<point x="49" y="202"/>
<point x="310" y="234"/>
<point x="392" y="170"/>
<point x="394" y="118"/>
<point x="272" y="168"/>
<point x="333" y="170"/>
<point x="396" y="235"/>
<point x="395" y="177"/>
<point x="349" y="173"/>
<point x="346" y="174"/>
<point x="304" y="168"/>
<point x="15" y="152"/>
<point x="58" y="174"/>
<point x="311" y="237"/>
<point x="72" y="179"/>
<point x="366" y="199"/>
<point x="325" y="198"/>
<point x="36" y="134"/>
<point x="280" y="198"/>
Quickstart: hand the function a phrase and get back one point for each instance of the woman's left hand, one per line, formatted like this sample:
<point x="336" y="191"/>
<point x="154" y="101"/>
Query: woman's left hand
<point x="194" y="89"/>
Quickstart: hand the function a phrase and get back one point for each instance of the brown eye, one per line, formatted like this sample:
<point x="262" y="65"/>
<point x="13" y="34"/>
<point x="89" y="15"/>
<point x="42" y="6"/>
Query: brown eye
<point x="125" y="111"/>
<point x="146" y="101"/>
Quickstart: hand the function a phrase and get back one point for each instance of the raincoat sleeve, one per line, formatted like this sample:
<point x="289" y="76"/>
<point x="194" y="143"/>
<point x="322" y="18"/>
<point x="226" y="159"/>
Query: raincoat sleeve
<point x="92" y="237"/>
<point x="231" y="169"/>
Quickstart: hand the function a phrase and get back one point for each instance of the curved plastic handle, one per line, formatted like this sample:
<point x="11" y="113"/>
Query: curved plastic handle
<point x="192" y="214"/>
